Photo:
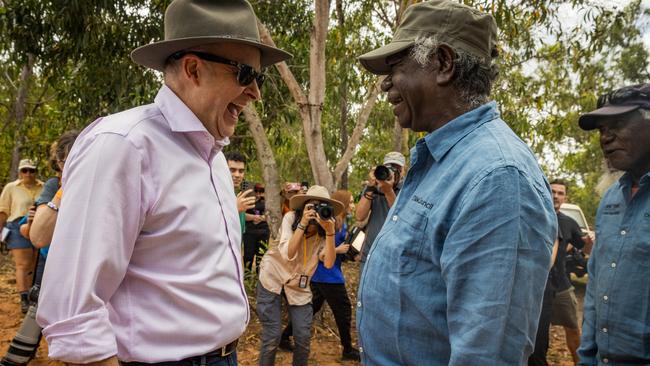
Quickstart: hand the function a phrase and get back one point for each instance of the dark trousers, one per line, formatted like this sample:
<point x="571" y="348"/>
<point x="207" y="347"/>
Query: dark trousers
<point x="538" y="358"/>
<point x="337" y="297"/>
<point x="253" y="246"/>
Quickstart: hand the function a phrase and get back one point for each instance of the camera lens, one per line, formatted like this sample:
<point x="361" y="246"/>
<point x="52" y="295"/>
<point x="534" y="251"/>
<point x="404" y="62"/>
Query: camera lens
<point x="324" y="211"/>
<point x="382" y="172"/>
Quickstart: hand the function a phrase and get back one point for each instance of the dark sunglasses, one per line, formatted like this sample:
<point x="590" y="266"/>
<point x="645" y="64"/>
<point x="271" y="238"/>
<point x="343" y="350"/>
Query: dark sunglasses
<point x="28" y="170"/>
<point x="245" y="74"/>
<point x="623" y="95"/>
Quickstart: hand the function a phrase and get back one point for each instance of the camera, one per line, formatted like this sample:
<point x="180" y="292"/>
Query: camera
<point x="24" y="345"/>
<point x="324" y="210"/>
<point x="382" y="172"/>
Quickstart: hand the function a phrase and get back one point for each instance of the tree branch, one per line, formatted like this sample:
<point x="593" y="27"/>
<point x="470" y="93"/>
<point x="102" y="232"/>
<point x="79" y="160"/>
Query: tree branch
<point x="364" y="114"/>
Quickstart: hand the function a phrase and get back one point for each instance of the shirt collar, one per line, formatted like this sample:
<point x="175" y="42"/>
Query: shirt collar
<point x="179" y="116"/>
<point x="440" y="141"/>
<point x="626" y="180"/>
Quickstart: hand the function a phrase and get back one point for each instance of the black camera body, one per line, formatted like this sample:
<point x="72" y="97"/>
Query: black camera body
<point x="324" y="210"/>
<point x="382" y="172"/>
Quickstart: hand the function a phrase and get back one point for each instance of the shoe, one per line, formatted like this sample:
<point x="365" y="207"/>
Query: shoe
<point x="286" y="345"/>
<point x="24" y="306"/>
<point x="352" y="354"/>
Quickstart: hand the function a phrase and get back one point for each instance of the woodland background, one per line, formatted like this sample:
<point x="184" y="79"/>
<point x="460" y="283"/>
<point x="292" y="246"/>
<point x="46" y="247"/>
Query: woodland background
<point x="322" y="119"/>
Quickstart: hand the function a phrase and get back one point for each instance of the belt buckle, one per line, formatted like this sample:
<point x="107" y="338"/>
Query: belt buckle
<point x="223" y="352"/>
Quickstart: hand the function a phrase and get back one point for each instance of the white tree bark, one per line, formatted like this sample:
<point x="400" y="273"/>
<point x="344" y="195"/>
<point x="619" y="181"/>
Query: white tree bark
<point x="19" y="114"/>
<point x="269" y="170"/>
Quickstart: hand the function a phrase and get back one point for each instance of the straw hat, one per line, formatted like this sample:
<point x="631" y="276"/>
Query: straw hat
<point x="191" y="23"/>
<point x="315" y="193"/>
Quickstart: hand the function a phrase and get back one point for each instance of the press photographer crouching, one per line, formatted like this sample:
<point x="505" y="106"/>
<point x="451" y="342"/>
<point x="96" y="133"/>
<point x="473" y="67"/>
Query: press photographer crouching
<point x="306" y="236"/>
<point x="384" y="182"/>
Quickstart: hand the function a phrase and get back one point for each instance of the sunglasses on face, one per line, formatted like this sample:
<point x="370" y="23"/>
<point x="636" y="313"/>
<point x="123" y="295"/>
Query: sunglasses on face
<point x="623" y="95"/>
<point x="245" y="73"/>
<point x="28" y="170"/>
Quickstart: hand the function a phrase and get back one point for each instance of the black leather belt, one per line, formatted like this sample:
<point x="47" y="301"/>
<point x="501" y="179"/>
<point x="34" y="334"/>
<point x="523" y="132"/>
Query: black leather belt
<point x="225" y="350"/>
<point x="222" y="352"/>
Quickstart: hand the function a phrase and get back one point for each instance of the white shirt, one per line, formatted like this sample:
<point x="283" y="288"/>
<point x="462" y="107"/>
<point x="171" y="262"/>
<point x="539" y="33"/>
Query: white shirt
<point x="145" y="262"/>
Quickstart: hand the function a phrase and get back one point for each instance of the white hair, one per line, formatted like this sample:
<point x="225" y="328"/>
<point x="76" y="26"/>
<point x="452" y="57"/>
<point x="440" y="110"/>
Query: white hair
<point x="473" y="75"/>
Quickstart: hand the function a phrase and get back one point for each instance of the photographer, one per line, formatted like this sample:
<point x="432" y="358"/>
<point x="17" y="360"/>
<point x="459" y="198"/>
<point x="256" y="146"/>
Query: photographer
<point x="257" y="231"/>
<point x="328" y="284"/>
<point x="378" y="197"/>
<point x="306" y="236"/>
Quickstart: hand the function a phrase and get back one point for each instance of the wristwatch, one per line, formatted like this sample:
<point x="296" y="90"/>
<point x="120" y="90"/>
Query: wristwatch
<point x="52" y="206"/>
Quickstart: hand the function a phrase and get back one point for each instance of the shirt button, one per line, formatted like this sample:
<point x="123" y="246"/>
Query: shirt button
<point x="359" y="304"/>
<point x="623" y="232"/>
<point x="605" y="298"/>
<point x="604" y="330"/>
<point x="605" y="360"/>
<point x="394" y="217"/>
<point x="361" y="349"/>
<point x="613" y="264"/>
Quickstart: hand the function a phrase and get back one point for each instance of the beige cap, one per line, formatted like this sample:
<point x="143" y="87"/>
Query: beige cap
<point x="26" y="163"/>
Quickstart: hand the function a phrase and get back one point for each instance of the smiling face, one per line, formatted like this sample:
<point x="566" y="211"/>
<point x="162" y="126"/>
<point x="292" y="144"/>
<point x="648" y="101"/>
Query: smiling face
<point x="412" y="90"/>
<point x="624" y="140"/>
<point x="211" y="89"/>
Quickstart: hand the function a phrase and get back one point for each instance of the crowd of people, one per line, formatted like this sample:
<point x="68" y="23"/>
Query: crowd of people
<point x="143" y="259"/>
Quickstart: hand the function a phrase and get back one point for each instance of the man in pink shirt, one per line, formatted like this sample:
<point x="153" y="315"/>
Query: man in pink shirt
<point x="145" y="263"/>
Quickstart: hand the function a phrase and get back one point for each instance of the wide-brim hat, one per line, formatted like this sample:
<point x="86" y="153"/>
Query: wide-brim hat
<point x="451" y="23"/>
<point x="316" y="193"/>
<point x="192" y="23"/>
<point x="617" y="102"/>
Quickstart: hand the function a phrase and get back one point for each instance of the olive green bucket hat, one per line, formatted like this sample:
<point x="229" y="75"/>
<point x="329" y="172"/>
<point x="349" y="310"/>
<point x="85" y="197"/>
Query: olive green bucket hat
<point x="191" y="23"/>
<point x="454" y="24"/>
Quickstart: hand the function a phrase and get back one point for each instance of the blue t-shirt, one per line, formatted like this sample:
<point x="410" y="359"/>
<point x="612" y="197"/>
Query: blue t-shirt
<point x="334" y="274"/>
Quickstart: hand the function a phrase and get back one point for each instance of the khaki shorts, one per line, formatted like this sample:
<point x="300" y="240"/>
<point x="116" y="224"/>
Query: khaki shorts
<point x="565" y="309"/>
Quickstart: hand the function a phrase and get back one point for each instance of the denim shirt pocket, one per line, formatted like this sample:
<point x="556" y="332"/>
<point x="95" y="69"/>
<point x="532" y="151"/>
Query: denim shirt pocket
<point x="410" y="234"/>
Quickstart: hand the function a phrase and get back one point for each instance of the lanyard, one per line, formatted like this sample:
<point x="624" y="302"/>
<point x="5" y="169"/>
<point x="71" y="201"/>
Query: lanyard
<point x="304" y="253"/>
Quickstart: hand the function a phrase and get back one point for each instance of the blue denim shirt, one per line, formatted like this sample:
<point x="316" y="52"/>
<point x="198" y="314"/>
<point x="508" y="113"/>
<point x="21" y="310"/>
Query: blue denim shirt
<point x="457" y="273"/>
<point x="616" y="327"/>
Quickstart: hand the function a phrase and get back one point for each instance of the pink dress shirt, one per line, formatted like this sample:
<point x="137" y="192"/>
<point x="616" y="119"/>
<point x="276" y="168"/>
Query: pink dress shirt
<point x="145" y="262"/>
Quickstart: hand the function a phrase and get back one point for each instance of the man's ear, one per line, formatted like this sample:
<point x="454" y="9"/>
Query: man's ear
<point x="445" y="63"/>
<point x="190" y="69"/>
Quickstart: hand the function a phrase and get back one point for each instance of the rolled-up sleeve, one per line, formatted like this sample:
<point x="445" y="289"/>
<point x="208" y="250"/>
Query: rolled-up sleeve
<point x="495" y="263"/>
<point x="100" y="217"/>
<point x="286" y="232"/>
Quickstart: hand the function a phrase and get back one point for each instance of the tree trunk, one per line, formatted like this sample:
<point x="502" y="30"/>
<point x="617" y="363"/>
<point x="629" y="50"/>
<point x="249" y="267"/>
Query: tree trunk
<point x="269" y="170"/>
<point x="355" y="138"/>
<point x="19" y="115"/>
<point x="316" y="98"/>
<point x="343" y="105"/>
<point x="397" y="136"/>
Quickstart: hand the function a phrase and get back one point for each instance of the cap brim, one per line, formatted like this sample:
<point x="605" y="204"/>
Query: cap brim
<point x="588" y="120"/>
<point x="296" y="202"/>
<point x="375" y="60"/>
<point x="27" y="166"/>
<point x="154" y="55"/>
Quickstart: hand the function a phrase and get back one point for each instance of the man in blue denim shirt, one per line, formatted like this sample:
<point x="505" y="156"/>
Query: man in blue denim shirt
<point x="457" y="273"/>
<point x="616" y="327"/>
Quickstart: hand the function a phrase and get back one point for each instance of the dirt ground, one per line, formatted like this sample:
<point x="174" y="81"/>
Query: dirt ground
<point x="325" y="346"/>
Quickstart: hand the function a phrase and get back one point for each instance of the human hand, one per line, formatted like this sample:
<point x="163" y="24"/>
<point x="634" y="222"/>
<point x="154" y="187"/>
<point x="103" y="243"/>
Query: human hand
<point x="327" y="225"/>
<point x="257" y="219"/>
<point x="385" y="185"/>
<point x="30" y="214"/>
<point x="342" y="249"/>
<point x="308" y="214"/>
<point x="244" y="201"/>
<point x="372" y="181"/>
